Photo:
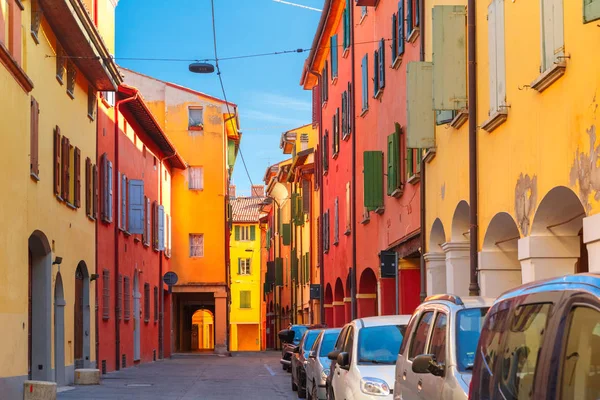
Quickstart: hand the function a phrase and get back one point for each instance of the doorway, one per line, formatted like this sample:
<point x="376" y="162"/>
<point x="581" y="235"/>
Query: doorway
<point x="136" y="316"/>
<point x="203" y="322"/>
<point x="59" y="332"/>
<point x="81" y="320"/>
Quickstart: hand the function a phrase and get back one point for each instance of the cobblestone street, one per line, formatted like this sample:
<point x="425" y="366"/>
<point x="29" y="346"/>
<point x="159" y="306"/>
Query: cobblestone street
<point x="244" y="375"/>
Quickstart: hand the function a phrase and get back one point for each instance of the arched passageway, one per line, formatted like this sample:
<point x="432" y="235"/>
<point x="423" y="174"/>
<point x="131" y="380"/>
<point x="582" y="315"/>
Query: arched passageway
<point x="203" y="324"/>
<point x="339" y="315"/>
<point x="82" y="317"/>
<point x="348" y="299"/>
<point x="457" y="252"/>
<point x="367" y="294"/>
<point x="328" y="300"/>
<point x="435" y="260"/>
<point x="59" y="332"/>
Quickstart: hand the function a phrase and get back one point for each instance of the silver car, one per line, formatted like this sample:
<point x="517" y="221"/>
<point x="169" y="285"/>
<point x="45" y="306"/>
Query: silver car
<point x="318" y="364"/>
<point x="436" y="359"/>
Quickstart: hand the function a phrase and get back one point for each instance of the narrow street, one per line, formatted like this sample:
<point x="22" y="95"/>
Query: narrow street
<point x="187" y="377"/>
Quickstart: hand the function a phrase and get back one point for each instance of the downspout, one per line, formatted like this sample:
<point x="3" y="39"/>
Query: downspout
<point x="96" y="317"/>
<point x="116" y="227"/>
<point x="354" y="304"/>
<point x="472" y="96"/>
<point x="319" y="177"/>
<point x="423" y="270"/>
<point x="293" y="304"/>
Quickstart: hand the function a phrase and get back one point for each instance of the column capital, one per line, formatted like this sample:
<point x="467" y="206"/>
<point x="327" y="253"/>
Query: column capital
<point x="455" y="246"/>
<point x="591" y="229"/>
<point x="434" y="257"/>
<point x="549" y="247"/>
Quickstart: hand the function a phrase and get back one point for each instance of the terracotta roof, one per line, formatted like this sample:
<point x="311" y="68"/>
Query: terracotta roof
<point x="246" y="209"/>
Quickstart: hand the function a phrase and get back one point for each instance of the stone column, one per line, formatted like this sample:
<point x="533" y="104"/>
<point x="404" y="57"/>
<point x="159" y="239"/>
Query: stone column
<point x="348" y="308"/>
<point x="499" y="271"/>
<point x="367" y="304"/>
<point x="544" y="257"/>
<point x="591" y="238"/>
<point x="329" y="315"/>
<point x="220" y="322"/>
<point x="457" y="268"/>
<point x="339" y="314"/>
<point x="435" y="265"/>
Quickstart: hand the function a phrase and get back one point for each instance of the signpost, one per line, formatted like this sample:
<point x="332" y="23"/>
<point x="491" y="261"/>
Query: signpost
<point x="170" y="278"/>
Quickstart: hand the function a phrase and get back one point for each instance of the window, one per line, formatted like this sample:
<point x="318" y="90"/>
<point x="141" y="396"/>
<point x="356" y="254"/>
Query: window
<point x="381" y="66"/>
<point x="376" y="72"/>
<point x="335" y="128"/>
<point x="64" y="168"/>
<point x="443" y="117"/>
<point x="196" y="245"/>
<point x="347" y="28"/>
<point x="36" y="19"/>
<point x="522" y="348"/>
<point x="553" y="42"/>
<point x="244" y="266"/>
<point x="34" y="128"/>
<point x="327" y="343"/>
<point x="496" y="56"/>
<point x="195" y="119"/>
<point x="146" y="302"/>
<point x="365" y="82"/>
<point x="245" y="233"/>
<point x="155" y="304"/>
<point x="308" y="341"/>
<point x="325" y="152"/>
<point x="119" y="296"/>
<point x="437" y="346"/>
<point x="417" y="345"/>
<point x="581" y="360"/>
<point x="77" y="175"/>
<point x="196" y="178"/>
<point x="158" y="229"/>
<point x="105" y="294"/>
<point x="346" y="112"/>
<point x="348" y="209"/>
<point x="245" y="299"/>
<point x="348" y="345"/>
<point x="147" y="226"/>
<point x="400" y="28"/>
<point x="107" y="189"/>
<point x="591" y="10"/>
<point x="127" y="298"/>
<point x="336" y="221"/>
<point x="393" y="163"/>
<point x="60" y="63"/>
<point x="413" y="163"/>
<point x="326" y="231"/>
<point x="122" y="193"/>
<point x="324" y="84"/>
<point x="412" y="19"/>
<point x="333" y="43"/>
<point x="491" y="339"/>
<point x="71" y="79"/>
<point x="394" y="37"/>
<point x="373" y="179"/>
<point x="379" y="344"/>
<point x="92" y="102"/>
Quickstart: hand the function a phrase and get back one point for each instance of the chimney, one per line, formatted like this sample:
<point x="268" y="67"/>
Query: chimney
<point x="258" y="191"/>
<point x="232" y="191"/>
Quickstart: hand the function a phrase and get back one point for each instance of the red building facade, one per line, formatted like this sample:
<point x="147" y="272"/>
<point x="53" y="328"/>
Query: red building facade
<point x="135" y="160"/>
<point x="370" y="181"/>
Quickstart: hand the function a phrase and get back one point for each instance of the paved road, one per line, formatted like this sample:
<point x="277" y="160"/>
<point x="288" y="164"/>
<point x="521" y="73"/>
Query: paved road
<point x="244" y="375"/>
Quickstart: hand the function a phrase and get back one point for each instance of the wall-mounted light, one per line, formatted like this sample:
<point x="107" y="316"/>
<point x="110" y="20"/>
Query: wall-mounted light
<point x="57" y="261"/>
<point x="93" y="277"/>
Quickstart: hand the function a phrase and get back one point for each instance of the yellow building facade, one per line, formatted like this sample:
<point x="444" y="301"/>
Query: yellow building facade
<point x="537" y="107"/>
<point x="48" y="107"/>
<point x="206" y="130"/>
<point x="245" y="275"/>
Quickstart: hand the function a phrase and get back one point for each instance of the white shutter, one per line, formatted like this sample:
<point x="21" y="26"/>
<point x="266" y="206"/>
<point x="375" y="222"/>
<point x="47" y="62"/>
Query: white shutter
<point x="552" y="33"/>
<point x="119" y="197"/>
<point x="492" y="50"/>
<point x="500" y="55"/>
<point x="161" y="228"/>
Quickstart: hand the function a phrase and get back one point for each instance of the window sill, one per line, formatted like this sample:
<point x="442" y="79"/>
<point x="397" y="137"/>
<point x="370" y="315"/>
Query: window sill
<point x="364" y="112"/>
<point x="494" y="121"/>
<point x="92" y="219"/>
<point x="325" y="172"/>
<point x="136" y="240"/>
<point x="91" y="118"/>
<point x="414" y="179"/>
<point x="413" y="35"/>
<point x="196" y="190"/>
<point x="397" y="193"/>
<point x="459" y="120"/>
<point x="346" y="137"/>
<point x="347" y="232"/>
<point x="196" y="128"/>
<point x="15" y="69"/>
<point x="334" y="80"/>
<point x="146" y="245"/>
<point x="71" y="94"/>
<point x="105" y="220"/>
<point x="378" y="94"/>
<point x="362" y="18"/>
<point x="104" y="318"/>
<point x="346" y="52"/>
<point x="429" y="155"/>
<point x="71" y="206"/>
<point x="380" y="210"/>
<point x="324" y="104"/>
<point x="396" y="63"/>
<point x="146" y="321"/>
<point x="60" y="79"/>
<point x="336" y="243"/>
<point x="335" y="155"/>
<point x="34" y="177"/>
<point x="20" y="4"/>
<point x="366" y="220"/>
<point x="35" y="37"/>
<point x="549" y="76"/>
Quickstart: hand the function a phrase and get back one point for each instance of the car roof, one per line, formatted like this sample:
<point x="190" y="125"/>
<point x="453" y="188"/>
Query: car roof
<point x="383" y="320"/>
<point x="332" y="331"/>
<point x="587" y="282"/>
<point x="462" y="301"/>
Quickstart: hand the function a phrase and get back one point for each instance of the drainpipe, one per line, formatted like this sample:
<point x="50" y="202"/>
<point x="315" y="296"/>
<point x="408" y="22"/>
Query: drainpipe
<point x="423" y="271"/>
<point x="472" y="73"/>
<point x="320" y="255"/>
<point x="96" y="317"/>
<point x="293" y="282"/>
<point x="354" y="303"/>
<point x="118" y="104"/>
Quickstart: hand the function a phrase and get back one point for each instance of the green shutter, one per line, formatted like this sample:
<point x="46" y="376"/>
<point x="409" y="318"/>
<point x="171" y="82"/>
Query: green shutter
<point x="237" y="233"/>
<point x="239" y="266"/>
<point x="299" y="211"/>
<point x="287" y="234"/>
<point x="252" y="232"/>
<point x="420" y="117"/>
<point x="334" y="56"/>
<point x="294" y="265"/>
<point x="410" y="171"/>
<point x="268" y="239"/>
<point x="373" y="179"/>
<point x="245" y="299"/>
<point x="393" y="181"/>
<point x="307" y="267"/>
<point x="591" y="10"/>
<point x="279" y="272"/>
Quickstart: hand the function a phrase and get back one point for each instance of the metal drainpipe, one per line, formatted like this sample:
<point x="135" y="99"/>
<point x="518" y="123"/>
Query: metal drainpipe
<point x="423" y="271"/>
<point x="292" y="282"/>
<point x="96" y="317"/>
<point x="320" y="255"/>
<point x="473" y="218"/>
<point x="354" y="302"/>
<point x="116" y="227"/>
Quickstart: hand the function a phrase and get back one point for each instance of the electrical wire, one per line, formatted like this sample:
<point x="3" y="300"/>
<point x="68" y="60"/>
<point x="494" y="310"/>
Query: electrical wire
<point x="214" y="27"/>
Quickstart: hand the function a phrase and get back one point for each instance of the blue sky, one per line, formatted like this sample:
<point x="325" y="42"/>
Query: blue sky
<point x="266" y="89"/>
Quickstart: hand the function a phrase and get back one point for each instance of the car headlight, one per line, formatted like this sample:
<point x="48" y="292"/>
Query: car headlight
<point x="374" y="386"/>
<point x="324" y="374"/>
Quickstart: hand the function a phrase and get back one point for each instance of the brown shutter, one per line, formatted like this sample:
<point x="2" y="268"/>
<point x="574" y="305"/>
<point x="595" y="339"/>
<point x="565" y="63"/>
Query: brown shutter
<point x="77" y="169"/>
<point x="88" y="181"/>
<point x="57" y="147"/>
<point x="34" y="137"/>
<point x="95" y="191"/>
<point x="69" y="177"/>
<point x="64" y="157"/>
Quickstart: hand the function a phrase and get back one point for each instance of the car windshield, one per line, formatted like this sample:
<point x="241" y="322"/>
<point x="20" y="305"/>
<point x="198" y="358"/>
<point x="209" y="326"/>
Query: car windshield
<point x="309" y="340"/>
<point x="468" y="330"/>
<point x="299" y="331"/>
<point x="328" y="343"/>
<point x="380" y="344"/>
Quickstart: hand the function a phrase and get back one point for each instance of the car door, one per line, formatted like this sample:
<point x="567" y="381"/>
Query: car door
<point x="312" y="362"/>
<point x="410" y="383"/>
<point x="339" y="346"/>
<point x="432" y="385"/>
<point x="339" y="375"/>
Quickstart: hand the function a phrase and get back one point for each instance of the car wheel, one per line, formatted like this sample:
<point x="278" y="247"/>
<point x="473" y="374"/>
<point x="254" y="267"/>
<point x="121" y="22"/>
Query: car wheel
<point x="301" y="391"/>
<point x="309" y="393"/>
<point x="284" y="367"/>
<point x="313" y="393"/>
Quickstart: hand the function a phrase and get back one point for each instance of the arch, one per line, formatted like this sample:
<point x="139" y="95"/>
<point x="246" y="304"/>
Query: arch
<point x="59" y="331"/>
<point x="339" y="290"/>
<point x="82" y="316"/>
<point x="40" y="307"/>
<point x="328" y="294"/>
<point x="437" y="237"/>
<point x="502" y="234"/>
<point x="560" y="213"/>
<point x="203" y="325"/>
<point x="368" y="282"/>
<point x="460" y="222"/>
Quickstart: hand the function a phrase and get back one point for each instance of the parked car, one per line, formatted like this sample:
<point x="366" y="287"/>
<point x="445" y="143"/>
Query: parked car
<point x="436" y="359"/>
<point x="317" y="368"/>
<point x="364" y="367"/>
<point x="541" y="341"/>
<point x="290" y="339"/>
<point x="299" y="361"/>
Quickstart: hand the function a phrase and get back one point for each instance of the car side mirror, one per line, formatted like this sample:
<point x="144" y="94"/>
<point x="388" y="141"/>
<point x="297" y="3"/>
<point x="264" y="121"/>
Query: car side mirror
<point x="343" y="360"/>
<point x="287" y="335"/>
<point x="333" y="355"/>
<point x="297" y="349"/>
<point x="426" y="364"/>
<point x="312" y="354"/>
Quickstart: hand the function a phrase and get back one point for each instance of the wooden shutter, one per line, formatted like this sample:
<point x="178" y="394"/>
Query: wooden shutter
<point x="381" y="54"/>
<point x="236" y="230"/>
<point x="336" y="221"/>
<point x="109" y="190"/>
<point x="34" y="163"/>
<point x="420" y="116"/>
<point x="161" y="228"/>
<point x="409" y="18"/>
<point x="373" y="179"/>
<point x="64" y="157"/>
<point x="306" y="194"/>
<point x="287" y="232"/>
<point x="119" y="296"/>
<point x="95" y="191"/>
<point x="252" y="232"/>
<point x="492" y="51"/>
<point x="88" y="186"/>
<point x="148" y="221"/>
<point x="316" y="104"/>
<point x="350" y="109"/>
<point x="591" y="10"/>
<point x="394" y="37"/>
<point x="319" y="235"/>
<point x="123" y="203"/>
<point x="155" y="304"/>
<point x="365" y="82"/>
<point x="393" y="161"/>
<point x="401" y="25"/>
<point x="348" y="208"/>
<point x="57" y="151"/>
<point x="69" y="177"/>
<point x="137" y="204"/>
<point x="278" y="272"/>
<point x="552" y="33"/>
<point x="334" y="56"/>
<point x="104" y="172"/>
<point x="375" y="72"/>
<point x="77" y="171"/>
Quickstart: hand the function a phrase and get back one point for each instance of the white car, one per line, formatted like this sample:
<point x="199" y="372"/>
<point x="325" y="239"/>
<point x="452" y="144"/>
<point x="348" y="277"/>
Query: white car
<point x="364" y="367"/>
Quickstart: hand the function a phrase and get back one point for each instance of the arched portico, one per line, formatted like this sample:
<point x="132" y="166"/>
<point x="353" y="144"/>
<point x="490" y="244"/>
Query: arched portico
<point x="339" y="315"/>
<point x="457" y="252"/>
<point x="367" y="294"/>
<point x="435" y="259"/>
